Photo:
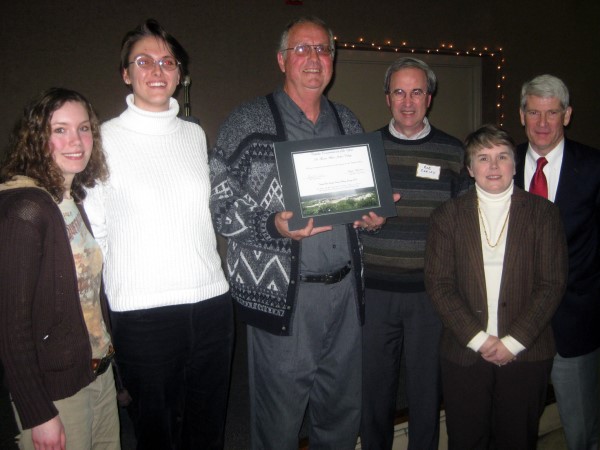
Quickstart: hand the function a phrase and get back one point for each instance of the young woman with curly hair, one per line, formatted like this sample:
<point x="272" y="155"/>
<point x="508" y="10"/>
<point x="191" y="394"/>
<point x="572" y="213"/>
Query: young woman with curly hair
<point x="55" y="341"/>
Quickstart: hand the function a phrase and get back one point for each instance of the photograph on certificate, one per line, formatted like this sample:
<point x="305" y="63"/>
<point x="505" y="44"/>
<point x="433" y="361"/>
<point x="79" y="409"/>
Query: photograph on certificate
<point x="335" y="180"/>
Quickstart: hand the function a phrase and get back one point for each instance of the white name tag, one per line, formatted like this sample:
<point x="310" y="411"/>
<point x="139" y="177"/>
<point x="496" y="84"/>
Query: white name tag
<point x="428" y="171"/>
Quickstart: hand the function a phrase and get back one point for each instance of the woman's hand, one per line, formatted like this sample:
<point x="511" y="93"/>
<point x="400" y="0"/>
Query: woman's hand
<point x="494" y="351"/>
<point x="487" y="346"/>
<point x="49" y="435"/>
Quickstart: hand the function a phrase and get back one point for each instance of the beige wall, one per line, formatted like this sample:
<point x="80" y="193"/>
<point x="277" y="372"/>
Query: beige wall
<point x="232" y="46"/>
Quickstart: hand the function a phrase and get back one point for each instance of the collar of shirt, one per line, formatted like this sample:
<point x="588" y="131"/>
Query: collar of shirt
<point x="297" y="126"/>
<point x="551" y="170"/>
<point x="421" y="134"/>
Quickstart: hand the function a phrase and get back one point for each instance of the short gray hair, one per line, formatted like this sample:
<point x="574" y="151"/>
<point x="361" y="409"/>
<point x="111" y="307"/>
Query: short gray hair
<point x="408" y="62"/>
<point x="545" y="86"/>
<point x="284" y="40"/>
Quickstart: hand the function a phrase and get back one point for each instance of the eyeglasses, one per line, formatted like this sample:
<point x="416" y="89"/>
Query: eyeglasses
<point x="415" y="94"/>
<point x="144" y="62"/>
<point x="304" y="50"/>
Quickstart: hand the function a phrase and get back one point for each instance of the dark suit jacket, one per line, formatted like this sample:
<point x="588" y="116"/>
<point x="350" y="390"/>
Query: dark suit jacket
<point x="576" y="323"/>
<point x="533" y="278"/>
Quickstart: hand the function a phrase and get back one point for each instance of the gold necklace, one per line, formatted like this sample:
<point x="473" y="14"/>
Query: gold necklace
<point x="481" y="217"/>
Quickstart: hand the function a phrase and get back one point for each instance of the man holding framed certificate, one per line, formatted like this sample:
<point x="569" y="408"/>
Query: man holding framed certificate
<point x="301" y="291"/>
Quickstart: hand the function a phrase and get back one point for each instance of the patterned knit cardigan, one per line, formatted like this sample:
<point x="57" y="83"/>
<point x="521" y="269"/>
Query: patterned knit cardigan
<point x="246" y="193"/>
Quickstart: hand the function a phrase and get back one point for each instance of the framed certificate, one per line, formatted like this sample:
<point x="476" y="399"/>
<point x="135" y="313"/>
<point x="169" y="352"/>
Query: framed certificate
<point x="334" y="180"/>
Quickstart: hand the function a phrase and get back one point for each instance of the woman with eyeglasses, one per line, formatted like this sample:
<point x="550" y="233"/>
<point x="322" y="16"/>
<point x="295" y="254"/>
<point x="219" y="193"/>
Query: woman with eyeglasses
<point x="55" y="341"/>
<point x="171" y="311"/>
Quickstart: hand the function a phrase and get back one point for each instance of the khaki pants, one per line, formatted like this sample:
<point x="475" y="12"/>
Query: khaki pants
<point x="90" y="417"/>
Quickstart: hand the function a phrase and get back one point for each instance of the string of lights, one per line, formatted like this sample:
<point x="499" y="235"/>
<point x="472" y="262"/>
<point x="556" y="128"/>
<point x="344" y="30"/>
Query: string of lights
<point x="443" y="49"/>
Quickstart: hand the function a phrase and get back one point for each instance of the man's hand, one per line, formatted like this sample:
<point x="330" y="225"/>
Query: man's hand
<point x="281" y="223"/>
<point x="371" y="221"/>
<point x="49" y="435"/>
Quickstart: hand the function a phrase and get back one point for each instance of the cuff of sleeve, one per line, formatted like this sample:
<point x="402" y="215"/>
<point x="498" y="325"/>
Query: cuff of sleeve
<point x="369" y="232"/>
<point x="513" y="346"/>
<point x="271" y="228"/>
<point x="479" y="339"/>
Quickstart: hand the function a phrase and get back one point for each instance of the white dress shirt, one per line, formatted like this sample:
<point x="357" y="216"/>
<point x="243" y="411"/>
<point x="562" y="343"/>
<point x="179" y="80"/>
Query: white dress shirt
<point x="421" y="134"/>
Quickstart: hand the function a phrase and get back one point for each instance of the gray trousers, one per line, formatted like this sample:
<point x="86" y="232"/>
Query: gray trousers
<point x="317" y="367"/>
<point x="575" y="382"/>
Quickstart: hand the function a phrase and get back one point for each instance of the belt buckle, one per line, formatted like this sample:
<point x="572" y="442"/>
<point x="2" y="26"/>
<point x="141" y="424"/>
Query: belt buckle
<point x="104" y="362"/>
<point x="332" y="278"/>
<point x="336" y="277"/>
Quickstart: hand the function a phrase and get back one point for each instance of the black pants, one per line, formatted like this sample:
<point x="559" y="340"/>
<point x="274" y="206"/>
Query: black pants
<point x="175" y="361"/>
<point x="491" y="407"/>
<point x="397" y="323"/>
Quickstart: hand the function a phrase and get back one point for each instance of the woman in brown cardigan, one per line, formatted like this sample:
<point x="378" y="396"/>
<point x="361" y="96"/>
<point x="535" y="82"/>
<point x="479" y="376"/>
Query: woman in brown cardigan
<point x="495" y="268"/>
<point x="55" y="342"/>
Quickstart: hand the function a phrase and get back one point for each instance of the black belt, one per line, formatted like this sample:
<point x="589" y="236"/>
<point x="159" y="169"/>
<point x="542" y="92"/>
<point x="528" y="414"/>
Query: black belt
<point x="328" y="278"/>
<point x="99" y="365"/>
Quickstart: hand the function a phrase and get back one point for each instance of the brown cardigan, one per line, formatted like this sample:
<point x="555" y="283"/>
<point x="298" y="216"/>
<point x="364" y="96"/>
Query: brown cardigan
<point x="44" y="342"/>
<point x="533" y="278"/>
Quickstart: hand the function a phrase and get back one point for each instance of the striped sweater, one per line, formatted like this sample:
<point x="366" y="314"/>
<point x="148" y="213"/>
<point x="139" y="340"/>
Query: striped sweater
<point x="394" y="257"/>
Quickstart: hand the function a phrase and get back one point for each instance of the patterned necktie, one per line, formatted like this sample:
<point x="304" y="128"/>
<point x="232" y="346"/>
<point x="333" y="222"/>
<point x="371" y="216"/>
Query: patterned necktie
<point x="539" y="184"/>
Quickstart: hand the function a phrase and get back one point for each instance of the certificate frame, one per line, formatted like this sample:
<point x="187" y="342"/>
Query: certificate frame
<point x="334" y="180"/>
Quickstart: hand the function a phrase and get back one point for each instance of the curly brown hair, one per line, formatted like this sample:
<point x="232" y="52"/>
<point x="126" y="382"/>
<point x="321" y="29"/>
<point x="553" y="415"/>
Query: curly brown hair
<point x="29" y="152"/>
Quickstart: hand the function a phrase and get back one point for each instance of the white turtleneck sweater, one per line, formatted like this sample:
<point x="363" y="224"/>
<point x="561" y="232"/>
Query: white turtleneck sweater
<point x="494" y="211"/>
<point x="151" y="218"/>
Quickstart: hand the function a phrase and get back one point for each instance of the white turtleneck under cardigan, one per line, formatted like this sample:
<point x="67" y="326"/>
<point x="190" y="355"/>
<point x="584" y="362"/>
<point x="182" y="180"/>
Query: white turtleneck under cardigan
<point x="151" y="218"/>
<point x="494" y="209"/>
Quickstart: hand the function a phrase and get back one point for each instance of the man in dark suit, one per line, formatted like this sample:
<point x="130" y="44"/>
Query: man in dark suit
<point x="568" y="174"/>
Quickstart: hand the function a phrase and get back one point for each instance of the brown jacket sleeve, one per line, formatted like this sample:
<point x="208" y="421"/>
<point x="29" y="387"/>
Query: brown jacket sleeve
<point x="22" y="244"/>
